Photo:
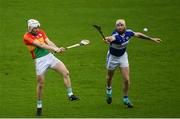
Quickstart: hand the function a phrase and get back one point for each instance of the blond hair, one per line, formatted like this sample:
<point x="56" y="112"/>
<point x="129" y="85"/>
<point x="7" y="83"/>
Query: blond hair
<point x="121" y="21"/>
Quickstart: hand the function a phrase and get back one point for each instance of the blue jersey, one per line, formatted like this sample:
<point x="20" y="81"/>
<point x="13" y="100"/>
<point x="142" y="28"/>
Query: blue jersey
<point x="118" y="47"/>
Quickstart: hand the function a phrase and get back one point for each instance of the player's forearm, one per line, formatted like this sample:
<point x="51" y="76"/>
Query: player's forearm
<point x="143" y="36"/>
<point x="48" y="47"/>
<point x="50" y="43"/>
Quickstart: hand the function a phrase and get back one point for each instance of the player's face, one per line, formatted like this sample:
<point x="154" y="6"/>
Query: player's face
<point x="35" y="30"/>
<point x="120" y="27"/>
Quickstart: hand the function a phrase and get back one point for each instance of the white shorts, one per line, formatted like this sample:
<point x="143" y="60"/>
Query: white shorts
<point x="45" y="62"/>
<point x="114" y="61"/>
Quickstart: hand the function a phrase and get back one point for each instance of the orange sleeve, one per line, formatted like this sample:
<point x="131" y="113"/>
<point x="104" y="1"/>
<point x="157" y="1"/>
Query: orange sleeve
<point x="28" y="40"/>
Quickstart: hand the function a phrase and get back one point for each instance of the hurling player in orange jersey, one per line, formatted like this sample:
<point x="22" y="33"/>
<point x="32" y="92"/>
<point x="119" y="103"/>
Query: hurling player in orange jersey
<point x="40" y="46"/>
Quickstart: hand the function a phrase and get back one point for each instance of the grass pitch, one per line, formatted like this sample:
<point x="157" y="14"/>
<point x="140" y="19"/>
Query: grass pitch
<point x="155" y="68"/>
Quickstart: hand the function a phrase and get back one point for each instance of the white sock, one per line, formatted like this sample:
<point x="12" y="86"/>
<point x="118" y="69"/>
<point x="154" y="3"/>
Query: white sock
<point x="109" y="90"/>
<point x="69" y="91"/>
<point x="39" y="104"/>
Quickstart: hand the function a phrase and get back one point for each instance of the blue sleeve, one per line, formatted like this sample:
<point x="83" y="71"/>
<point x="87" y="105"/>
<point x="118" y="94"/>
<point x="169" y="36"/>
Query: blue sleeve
<point x="118" y="38"/>
<point x="130" y="32"/>
<point x="113" y="33"/>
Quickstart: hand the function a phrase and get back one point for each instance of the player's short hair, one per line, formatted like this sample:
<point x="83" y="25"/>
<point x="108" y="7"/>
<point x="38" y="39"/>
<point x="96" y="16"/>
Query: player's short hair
<point x="121" y="21"/>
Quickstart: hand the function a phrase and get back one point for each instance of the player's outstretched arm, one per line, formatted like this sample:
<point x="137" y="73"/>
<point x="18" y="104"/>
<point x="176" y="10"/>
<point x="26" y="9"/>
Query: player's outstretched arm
<point x="50" y="43"/>
<point x="48" y="47"/>
<point x="143" y="36"/>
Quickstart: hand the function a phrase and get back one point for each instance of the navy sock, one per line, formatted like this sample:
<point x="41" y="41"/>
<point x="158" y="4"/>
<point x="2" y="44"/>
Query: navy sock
<point x="125" y="96"/>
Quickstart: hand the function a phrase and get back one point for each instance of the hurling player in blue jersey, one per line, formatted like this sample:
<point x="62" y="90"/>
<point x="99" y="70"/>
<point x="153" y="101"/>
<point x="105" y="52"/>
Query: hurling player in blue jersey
<point x="118" y="57"/>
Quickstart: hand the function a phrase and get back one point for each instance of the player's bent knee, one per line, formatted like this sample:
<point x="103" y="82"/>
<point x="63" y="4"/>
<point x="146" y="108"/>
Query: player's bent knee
<point x="126" y="78"/>
<point x="127" y="81"/>
<point x="40" y="84"/>
<point x="66" y="73"/>
<point x="109" y="77"/>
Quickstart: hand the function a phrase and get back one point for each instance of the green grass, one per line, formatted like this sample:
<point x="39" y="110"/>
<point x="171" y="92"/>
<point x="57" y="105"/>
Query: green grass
<point x="155" y="76"/>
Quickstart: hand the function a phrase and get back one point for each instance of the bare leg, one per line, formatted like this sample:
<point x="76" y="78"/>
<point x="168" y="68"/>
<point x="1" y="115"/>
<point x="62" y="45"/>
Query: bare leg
<point x="109" y="78"/>
<point x="40" y="84"/>
<point x="61" y="69"/>
<point x="126" y="81"/>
